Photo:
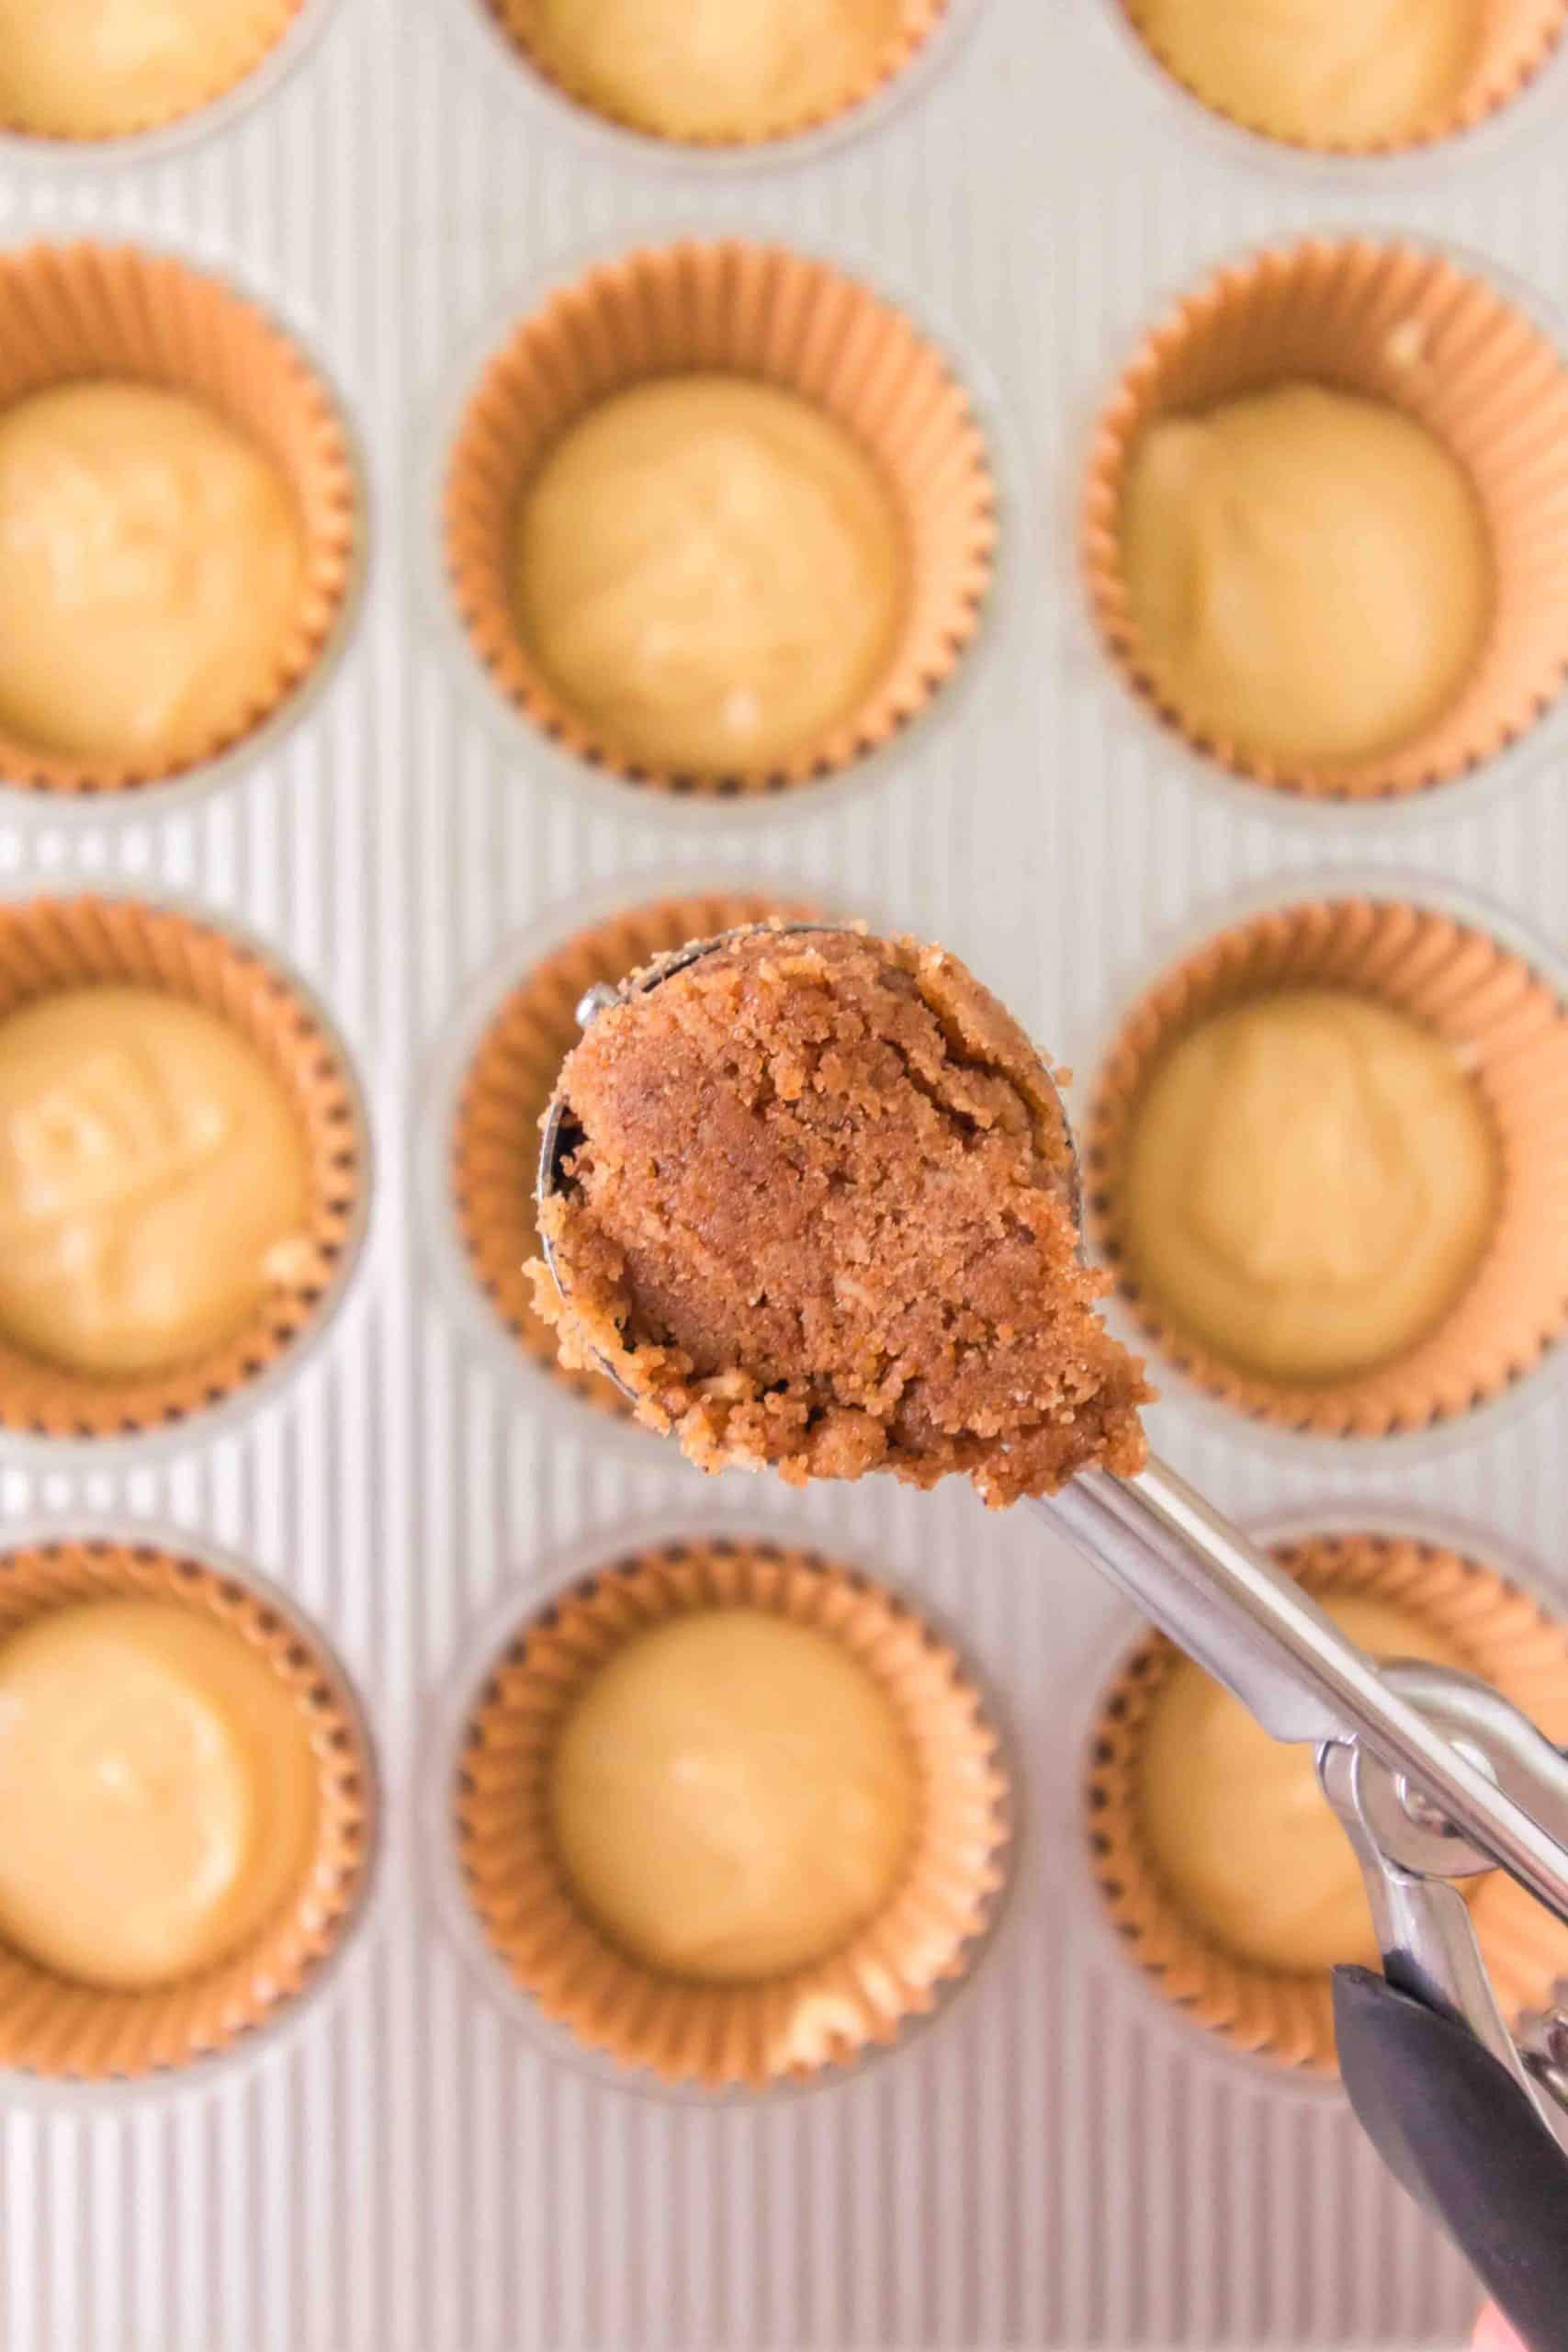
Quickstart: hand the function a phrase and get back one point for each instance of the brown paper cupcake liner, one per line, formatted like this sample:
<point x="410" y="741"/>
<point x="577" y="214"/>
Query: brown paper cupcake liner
<point x="510" y="1080"/>
<point x="1512" y="1028"/>
<point x="739" y="309"/>
<point x="732" y="2035"/>
<point x="50" y="945"/>
<point x="53" y="2028"/>
<point x="241" y="49"/>
<point x="918" y="19"/>
<point x="1514" y="39"/>
<point x="1500" y="1635"/>
<point x="88" y="311"/>
<point x="1397" y="322"/>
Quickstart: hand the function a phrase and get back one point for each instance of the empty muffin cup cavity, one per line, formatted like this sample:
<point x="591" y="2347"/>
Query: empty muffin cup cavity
<point x="717" y="520"/>
<point x="789" y="1949"/>
<point x="178" y="520"/>
<point x="1325" y="434"/>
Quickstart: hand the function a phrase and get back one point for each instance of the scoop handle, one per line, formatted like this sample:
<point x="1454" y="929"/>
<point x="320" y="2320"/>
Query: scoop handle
<point x="1227" y="1604"/>
<point x="1460" y="2135"/>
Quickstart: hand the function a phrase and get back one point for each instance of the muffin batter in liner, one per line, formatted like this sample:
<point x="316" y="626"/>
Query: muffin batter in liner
<point x="269" y="20"/>
<point x="726" y="2036"/>
<point x="1400" y="323"/>
<point x="49" y="945"/>
<point x="116" y="314"/>
<point x="917" y="20"/>
<point x="1513" y="40"/>
<point x="1512" y="1030"/>
<point x="754" y="310"/>
<point x="1498" y="1632"/>
<point x="64" y="2031"/>
<point x="511" y="1075"/>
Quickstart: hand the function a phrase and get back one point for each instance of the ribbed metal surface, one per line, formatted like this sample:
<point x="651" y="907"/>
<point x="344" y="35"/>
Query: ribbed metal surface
<point x="1054" y="2163"/>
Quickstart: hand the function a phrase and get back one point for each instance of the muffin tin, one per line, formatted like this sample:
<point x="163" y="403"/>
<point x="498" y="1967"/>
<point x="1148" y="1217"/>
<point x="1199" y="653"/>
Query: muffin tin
<point x="1051" y="2161"/>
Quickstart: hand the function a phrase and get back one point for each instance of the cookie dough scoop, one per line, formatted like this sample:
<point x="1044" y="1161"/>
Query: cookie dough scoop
<point x="811" y="1200"/>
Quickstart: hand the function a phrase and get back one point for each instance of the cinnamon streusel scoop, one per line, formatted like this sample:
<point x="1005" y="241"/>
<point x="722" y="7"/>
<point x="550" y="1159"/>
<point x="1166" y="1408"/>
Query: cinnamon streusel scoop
<point x="818" y="1214"/>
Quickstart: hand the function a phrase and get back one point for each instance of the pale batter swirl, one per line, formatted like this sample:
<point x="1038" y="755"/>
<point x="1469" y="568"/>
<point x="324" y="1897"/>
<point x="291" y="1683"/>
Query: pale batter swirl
<point x="1310" y="572"/>
<point x="733" y="1795"/>
<point x="1312" y="1178"/>
<point x="1346" y="74"/>
<point x="710" y="573"/>
<point x="103" y="69"/>
<point x="152" y="1181"/>
<point x="151" y="562"/>
<point x="712" y="68"/>
<point x="157" y="1792"/>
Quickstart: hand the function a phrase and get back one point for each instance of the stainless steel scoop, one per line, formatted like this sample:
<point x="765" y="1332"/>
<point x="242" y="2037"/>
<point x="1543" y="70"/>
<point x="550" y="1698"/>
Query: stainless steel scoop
<point x="1433" y="1774"/>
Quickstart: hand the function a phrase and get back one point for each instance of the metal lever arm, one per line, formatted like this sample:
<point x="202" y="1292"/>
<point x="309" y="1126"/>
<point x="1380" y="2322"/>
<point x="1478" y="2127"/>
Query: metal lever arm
<point x="1229" y="1607"/>
<point x="1408" y="1857"/>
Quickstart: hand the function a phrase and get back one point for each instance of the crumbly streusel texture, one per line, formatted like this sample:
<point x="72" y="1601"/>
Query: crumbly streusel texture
<point x="819" y="1216"/>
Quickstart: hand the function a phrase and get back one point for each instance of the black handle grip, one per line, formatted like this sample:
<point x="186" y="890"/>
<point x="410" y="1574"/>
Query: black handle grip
<point x="1460" y="2135"/>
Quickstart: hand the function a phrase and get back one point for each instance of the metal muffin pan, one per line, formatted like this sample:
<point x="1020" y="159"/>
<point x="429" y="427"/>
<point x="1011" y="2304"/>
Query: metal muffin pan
<point x="1044" y="2166"/>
